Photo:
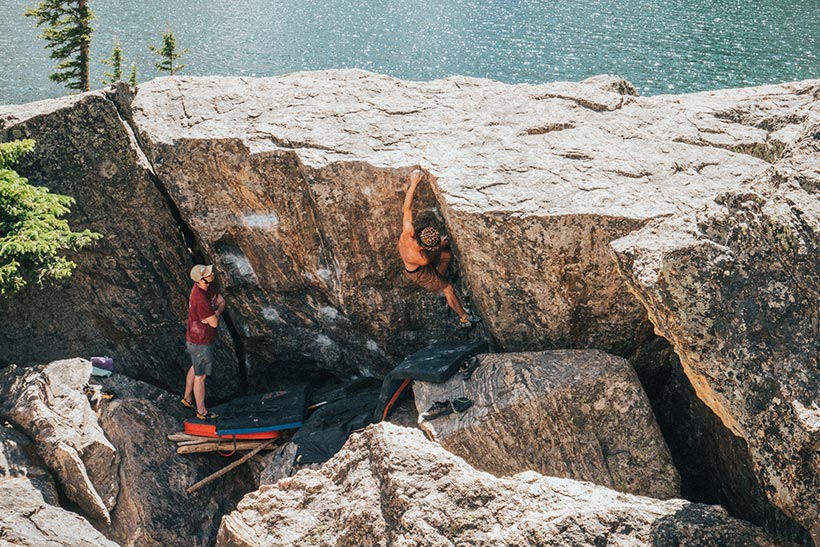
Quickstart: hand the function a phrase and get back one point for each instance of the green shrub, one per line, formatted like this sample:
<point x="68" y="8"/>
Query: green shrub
<point x="33" y="236"/>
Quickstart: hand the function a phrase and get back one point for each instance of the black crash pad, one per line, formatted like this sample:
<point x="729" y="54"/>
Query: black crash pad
<point x="436" y="363"/>
<point x="341" y="409"/>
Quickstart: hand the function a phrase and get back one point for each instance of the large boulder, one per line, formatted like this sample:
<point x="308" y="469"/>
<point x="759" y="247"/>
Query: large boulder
<point x="153" y="507"/>
<point x="391" y="486"/>
<point x="29" y="509"/>
<point x="128" y="296"/>
<point x="308" y="255"/>
<point x="293" y="186"/>
<point x="714" y="464"/>
<point x="48" y="404"/>
<point x="734" y="288"/>
<point x="577" y="414"/>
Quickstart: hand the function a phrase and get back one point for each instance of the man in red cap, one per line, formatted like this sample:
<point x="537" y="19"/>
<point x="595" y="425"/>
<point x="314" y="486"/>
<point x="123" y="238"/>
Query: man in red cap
<point x="425" y="259"/>
<point x="205" y="307"/>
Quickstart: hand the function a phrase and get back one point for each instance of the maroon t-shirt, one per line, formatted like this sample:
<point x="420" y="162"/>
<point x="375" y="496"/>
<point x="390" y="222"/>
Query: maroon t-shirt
<point x="201" y="305"/>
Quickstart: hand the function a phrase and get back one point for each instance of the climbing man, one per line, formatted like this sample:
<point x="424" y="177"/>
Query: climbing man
<point x="205" y="307"/>
<point x="426" y="257"/>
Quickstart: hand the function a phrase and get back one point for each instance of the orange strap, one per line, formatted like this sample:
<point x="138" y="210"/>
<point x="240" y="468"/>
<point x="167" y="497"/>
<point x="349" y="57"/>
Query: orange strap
<point x="395" y="396"/>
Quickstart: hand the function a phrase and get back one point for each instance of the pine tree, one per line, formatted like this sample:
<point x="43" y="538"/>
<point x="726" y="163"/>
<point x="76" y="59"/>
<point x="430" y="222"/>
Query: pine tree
<point x="132" y="79"/>
<point x="33" y="237"/>
<point x="67" y="32"/>
<point x="169" y="53"/>
<point x="115" y="62"/>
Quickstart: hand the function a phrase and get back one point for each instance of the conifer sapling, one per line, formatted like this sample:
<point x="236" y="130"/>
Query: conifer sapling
<point x="67" y="31"/>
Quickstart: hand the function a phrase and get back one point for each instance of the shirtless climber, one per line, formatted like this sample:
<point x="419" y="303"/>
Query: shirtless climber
<point x="426" y="257"/>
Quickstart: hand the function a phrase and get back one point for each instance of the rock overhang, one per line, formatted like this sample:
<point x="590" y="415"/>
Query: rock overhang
<point x="531" y="182"/>
<point x="562" y="148"/>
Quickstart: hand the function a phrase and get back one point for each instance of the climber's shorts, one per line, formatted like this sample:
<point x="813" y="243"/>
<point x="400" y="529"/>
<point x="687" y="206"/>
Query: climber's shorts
<point x="428" y="278"/>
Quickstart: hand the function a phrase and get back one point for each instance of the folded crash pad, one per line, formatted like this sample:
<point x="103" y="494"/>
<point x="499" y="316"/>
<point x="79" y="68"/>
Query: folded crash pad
<point x="436" y="363"/>
<point x="102" y="366"/>
<point x="274" y="411"/>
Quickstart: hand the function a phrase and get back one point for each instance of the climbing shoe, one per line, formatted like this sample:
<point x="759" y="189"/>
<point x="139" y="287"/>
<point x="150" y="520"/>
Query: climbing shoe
<point x="461" y="404"/>
<point x="186" y="403"/>
<point x="439" y="409"/>
<point x="207" y="416"/>
<point x="469" y="321"/>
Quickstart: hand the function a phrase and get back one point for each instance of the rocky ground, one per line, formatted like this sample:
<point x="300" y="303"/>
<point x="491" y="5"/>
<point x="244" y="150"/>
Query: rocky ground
<point x="391" y="486"/>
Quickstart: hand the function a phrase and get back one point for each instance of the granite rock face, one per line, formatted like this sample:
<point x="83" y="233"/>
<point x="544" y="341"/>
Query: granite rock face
<point x="293" y="187"/>
<point x="734" y="288"/>
<point x="128" y="296"/>
<point x="574" y="414"/>
<point x="391" y="486"/>
<point x="48" y="404"/>
<point x="307" y="266"/>
<point x="29" y="509"/>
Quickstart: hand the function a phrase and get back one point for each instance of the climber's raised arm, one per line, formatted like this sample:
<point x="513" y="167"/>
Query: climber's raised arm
<point x="407" y="210"/>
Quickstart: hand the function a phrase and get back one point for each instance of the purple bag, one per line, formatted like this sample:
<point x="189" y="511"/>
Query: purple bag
<point x="102" y="366"/>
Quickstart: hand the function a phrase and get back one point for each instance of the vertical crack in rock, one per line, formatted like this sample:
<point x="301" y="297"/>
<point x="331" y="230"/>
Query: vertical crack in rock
<point x="126" y="297"/>
<point x="121" y="97"/>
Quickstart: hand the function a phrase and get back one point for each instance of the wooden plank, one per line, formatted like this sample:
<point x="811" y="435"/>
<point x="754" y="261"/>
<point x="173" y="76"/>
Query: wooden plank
<point x="194" y="487"/>
<point x="200" y="440"/>
<point x="224" y="446"/>
<point x="181" y="436"/>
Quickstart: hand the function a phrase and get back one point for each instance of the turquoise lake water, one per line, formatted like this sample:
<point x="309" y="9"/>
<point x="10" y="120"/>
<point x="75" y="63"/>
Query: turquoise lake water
<point x="674" y="46"/>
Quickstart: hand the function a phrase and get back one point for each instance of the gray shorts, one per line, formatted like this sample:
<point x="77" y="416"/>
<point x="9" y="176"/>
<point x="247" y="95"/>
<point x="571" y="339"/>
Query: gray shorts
<point x="202" y="357"/>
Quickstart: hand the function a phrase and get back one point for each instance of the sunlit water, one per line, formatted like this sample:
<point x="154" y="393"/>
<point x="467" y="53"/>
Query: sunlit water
<point x="670" y="46"/>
